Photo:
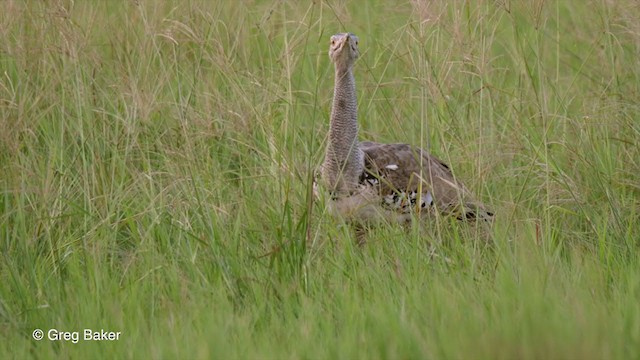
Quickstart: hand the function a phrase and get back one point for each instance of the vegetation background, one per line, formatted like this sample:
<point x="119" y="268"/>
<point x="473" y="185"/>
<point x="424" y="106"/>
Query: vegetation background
<point x="156" y="160"/>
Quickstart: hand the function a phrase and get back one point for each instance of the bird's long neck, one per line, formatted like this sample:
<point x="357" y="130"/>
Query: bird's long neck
<point x="344" y="160"/>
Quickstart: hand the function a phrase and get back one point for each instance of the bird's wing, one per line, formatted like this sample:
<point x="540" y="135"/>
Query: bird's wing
<point x="408" y="177"/>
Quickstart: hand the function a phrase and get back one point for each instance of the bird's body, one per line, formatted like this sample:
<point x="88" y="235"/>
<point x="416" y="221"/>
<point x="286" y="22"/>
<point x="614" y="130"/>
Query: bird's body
<point x="370" y="182"/>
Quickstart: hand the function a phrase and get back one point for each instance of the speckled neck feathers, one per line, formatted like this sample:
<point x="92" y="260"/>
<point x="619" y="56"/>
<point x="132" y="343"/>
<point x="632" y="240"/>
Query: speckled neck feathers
<point x="344" y="160"/>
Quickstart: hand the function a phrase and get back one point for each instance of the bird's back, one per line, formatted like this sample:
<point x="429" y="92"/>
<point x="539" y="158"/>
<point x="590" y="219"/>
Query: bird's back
<point x="408" y="179"/>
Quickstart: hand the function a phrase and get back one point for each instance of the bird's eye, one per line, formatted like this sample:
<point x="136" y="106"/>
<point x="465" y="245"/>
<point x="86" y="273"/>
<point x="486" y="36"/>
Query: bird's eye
<point x="333" y="42"/>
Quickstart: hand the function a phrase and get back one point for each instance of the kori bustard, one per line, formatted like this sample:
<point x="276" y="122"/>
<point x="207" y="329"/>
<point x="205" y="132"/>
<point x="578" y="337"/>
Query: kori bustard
<point x="370" y="182"/>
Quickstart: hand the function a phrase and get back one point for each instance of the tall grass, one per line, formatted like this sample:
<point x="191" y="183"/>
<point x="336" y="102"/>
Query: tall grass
<point x="156" y="161"/>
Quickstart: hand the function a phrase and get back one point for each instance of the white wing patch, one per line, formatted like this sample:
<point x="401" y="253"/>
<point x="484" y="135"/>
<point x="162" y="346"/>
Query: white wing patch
<point x="404" y="201"/>
<point x="399" y="201"/>
<point x="428" y="199"/>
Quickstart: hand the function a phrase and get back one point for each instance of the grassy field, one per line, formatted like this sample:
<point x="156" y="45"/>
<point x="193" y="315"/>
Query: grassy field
<point x="156" y="160"/>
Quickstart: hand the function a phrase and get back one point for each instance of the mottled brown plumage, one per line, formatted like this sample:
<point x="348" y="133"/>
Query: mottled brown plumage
<point x="418" y="180"/>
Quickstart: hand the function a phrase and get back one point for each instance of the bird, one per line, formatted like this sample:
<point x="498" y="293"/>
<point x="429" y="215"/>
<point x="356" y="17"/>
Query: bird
<point x="369" y="182"/>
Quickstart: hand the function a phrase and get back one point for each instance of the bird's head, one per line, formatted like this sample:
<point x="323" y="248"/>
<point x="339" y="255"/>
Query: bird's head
<point x="343" y="50"/>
